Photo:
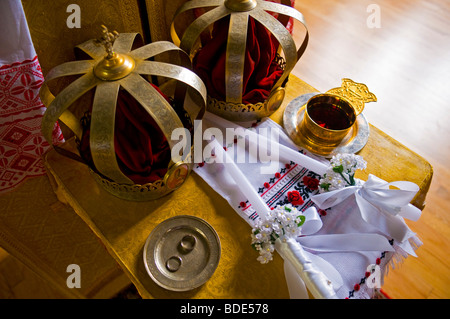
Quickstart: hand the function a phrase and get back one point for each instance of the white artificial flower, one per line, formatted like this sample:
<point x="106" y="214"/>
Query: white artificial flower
<point x="282" y="218"/>
<point x="279" y="223"/>
<point x="341" y="172"/>
<point x="266" y="227"/>
<point x="268" y="248"/>
<point x="294" y="231"/>
<point x="264" y="258"/>
<point x="277" y="229"/>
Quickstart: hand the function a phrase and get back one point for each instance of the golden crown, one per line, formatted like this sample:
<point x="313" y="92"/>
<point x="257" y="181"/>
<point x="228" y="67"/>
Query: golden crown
<point x="239" y="12"/>
<point x="124" y="69"/>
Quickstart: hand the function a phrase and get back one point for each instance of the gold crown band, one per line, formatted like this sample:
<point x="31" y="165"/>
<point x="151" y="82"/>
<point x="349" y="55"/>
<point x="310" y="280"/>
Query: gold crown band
<point x="240" y="112"/>
<point x="174" y="178"/>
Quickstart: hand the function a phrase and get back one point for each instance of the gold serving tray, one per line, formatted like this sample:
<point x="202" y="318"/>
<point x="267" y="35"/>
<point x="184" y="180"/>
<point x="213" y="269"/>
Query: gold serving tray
<point x="353" y="142"/>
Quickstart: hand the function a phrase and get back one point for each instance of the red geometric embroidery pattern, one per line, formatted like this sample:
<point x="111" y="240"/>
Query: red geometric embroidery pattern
<point x="21" y="142"/>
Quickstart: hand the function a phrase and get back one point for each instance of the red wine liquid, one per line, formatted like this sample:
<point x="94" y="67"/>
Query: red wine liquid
<point x="329" y="116"/>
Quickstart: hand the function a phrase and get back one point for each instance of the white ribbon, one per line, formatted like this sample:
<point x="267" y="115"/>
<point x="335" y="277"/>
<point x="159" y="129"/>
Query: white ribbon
<point x="378" y="204"/>
<point x="307" y="270"/>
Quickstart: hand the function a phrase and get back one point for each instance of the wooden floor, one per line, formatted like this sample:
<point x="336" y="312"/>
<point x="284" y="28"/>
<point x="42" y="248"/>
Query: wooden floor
<point x="406" y="63"/>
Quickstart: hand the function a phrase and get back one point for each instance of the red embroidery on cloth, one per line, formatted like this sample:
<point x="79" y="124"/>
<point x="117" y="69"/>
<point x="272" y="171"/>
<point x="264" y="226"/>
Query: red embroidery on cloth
<point x="280" y="177"/>
<point x="311" y="183"/>
<point x="7" y="66"/>
<point x="295" y="198"/>
<point x="367" y="274"/>
<point x="322" y="212"/>
<point x="21" y="111"/>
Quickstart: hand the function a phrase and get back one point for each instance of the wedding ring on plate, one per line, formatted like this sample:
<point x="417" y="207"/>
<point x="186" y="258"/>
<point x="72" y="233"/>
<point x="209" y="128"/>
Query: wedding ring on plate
<point x="187" y="244"/>
<point x="353" y="142"/>
<point x="182" y="253"/>
<point x="173" y="263"/>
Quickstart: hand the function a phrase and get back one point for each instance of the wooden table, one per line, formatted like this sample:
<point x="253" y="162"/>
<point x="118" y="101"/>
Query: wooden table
<point x="124" y="226"/>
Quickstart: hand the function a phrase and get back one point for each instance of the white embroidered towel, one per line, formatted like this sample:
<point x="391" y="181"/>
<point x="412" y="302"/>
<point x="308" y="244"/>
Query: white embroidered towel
<point x="287" y="176"/>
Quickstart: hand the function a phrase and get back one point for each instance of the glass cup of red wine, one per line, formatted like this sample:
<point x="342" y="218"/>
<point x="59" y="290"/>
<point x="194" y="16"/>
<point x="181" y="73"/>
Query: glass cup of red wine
<point x="328" y="118"/>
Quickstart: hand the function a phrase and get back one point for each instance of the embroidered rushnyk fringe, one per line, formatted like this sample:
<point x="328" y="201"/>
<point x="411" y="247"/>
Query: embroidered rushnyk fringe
<point x="396" y="261"/>
<point x="400" y="254"/>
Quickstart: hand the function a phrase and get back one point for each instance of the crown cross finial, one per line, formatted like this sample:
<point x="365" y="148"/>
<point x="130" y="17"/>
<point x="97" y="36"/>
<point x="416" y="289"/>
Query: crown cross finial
<point x="107" y="40"/>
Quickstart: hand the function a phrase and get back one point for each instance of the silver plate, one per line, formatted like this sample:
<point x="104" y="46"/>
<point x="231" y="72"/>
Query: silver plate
<point x="353" y="142"/>
<point x="182" y="253"/>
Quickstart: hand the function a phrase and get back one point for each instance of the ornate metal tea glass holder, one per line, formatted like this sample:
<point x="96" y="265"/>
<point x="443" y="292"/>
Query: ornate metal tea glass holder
<point x="325" y="121"/>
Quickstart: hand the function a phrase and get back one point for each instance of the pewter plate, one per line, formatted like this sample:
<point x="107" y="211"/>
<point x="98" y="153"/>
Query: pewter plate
<point x="182" y="253"/>
<point x="352" y="143"/>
